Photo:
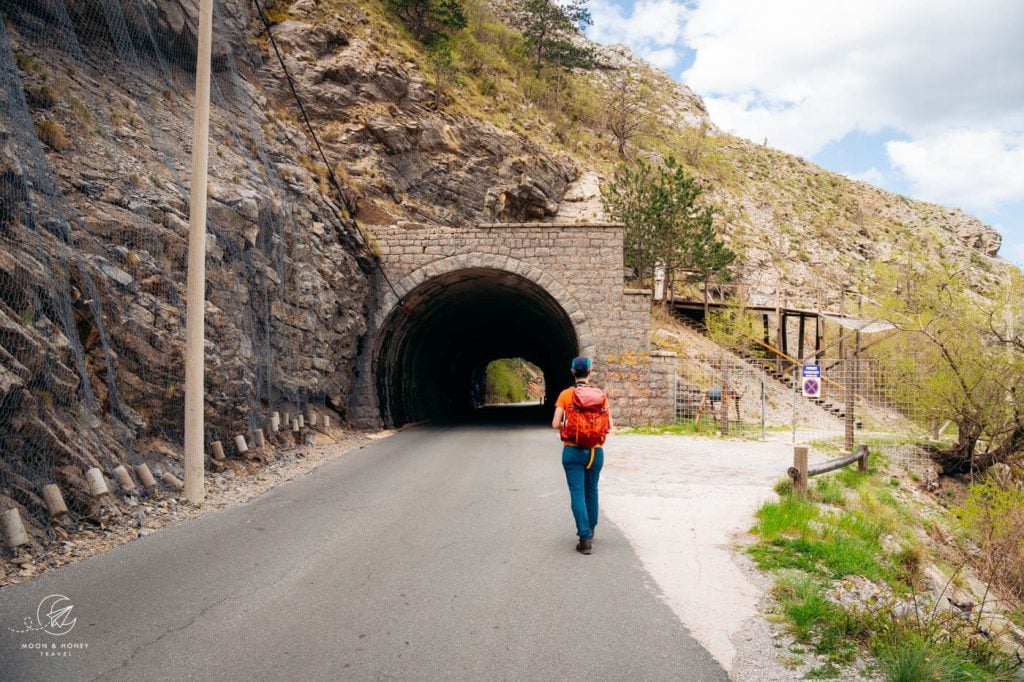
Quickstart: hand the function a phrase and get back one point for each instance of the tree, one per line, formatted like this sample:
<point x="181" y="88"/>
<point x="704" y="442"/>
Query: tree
<point x="627" y="108"/>
<point x="442" y="63"/>
<point x="959" y="360"/>
<point x="632" y="198"/>
<point x="709" y="256"/>
<point x="431" y="20"/>
<point x="659" y="209"/>
<point x="551" y="31"/>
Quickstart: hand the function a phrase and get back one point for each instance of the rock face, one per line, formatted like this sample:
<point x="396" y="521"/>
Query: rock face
<point x="93" y="239"/>
<point x="385" y="127"/>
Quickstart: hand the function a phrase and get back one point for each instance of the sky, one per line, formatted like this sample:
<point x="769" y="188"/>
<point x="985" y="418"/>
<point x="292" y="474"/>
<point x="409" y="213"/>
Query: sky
<point x="920" y="97"/>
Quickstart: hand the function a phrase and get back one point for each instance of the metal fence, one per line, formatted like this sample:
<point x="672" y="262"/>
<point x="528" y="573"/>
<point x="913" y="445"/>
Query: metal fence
<point x="860" y="402"/>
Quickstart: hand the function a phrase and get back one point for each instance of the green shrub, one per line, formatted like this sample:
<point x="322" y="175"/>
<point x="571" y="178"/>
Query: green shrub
<point x="994" y="517"/>
<point x="26" y="62"/>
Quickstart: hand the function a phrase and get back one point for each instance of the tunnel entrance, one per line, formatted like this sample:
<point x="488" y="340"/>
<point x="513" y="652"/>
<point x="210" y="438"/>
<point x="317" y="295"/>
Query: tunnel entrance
<point x="433" y="350"/>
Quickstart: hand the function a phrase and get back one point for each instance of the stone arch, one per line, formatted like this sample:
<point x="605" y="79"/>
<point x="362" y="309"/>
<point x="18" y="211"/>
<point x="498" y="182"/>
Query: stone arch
<point x="456" y="315"/>
<point x="546" y="281"/>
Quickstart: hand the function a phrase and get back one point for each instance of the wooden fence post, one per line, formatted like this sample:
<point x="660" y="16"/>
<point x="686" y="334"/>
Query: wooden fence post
<point x="862" y="463"/>
<point x="800" y="464"/>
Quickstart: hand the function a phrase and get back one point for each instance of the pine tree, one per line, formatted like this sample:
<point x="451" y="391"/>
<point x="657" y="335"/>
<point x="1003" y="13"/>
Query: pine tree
<point x="550" y="29"/>
<point x="664" y="223"/>
<point x="709" y="256"/>
<point x="431" y="20"/>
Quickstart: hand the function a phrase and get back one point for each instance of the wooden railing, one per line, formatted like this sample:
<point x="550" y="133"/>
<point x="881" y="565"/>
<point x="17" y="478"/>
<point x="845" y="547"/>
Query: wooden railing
<point x="800" y="471"/>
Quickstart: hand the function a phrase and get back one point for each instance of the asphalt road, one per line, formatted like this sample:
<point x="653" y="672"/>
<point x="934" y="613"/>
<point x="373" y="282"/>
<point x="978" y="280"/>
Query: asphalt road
<point x="437" y="553"/>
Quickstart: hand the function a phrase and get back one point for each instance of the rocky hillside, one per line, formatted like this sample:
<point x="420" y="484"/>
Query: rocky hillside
<point x="498" y="141"/>
<point x="94" y="159"/>
<point x="93" y="237"/>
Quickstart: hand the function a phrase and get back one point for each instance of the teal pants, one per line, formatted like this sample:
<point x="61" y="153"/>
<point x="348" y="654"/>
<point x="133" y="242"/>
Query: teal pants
<point x="583" y="486"/>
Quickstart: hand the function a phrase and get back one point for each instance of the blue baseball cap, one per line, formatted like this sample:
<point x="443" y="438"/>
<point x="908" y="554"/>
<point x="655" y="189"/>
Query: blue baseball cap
<point x="580" y="364"/>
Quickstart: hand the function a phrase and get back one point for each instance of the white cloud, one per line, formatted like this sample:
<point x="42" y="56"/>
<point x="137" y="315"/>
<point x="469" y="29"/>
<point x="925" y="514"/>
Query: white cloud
<point x="872" y="176"/>
<point x="664" y="58"/>
<point x="1014" y="252"/>
<point x="806" y="72"/>
<point x="976" y="169"/>
<point x="652" y="28"/>
<point x="945" y="76"/>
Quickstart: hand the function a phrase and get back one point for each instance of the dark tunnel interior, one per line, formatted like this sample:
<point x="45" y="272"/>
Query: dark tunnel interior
<point x="433" y="351"/>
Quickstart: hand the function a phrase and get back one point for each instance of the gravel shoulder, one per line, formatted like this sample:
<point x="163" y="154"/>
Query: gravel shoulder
<point x="687" y="504"/>
<point x="145" y="513"/>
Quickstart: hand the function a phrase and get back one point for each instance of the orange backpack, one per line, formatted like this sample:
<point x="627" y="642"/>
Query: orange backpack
<point x="586" y="418"/>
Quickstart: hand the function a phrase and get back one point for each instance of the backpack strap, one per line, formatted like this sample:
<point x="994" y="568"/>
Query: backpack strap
<point x="591" y="462"/>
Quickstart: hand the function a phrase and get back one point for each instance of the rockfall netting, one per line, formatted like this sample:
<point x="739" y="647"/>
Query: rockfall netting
<point x="95" y="137"/>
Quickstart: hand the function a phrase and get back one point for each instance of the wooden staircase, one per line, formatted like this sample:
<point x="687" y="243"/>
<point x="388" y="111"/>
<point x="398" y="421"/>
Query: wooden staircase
<point x="767" y="364"/>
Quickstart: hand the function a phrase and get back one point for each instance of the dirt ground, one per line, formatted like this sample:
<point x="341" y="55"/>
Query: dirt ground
<point x="686" y="504"/>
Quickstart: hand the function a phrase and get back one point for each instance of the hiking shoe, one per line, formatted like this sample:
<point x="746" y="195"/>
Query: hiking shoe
<point x="584" y="546"/>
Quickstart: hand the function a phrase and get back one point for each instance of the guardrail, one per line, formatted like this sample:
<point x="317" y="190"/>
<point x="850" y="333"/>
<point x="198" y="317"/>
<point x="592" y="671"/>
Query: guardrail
<point x="800" y="471"/>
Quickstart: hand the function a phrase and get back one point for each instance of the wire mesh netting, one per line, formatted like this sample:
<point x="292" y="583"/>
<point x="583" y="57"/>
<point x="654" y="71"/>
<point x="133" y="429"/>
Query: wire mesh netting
<point x="859" y="400"/>
<point x="95" y="137"/>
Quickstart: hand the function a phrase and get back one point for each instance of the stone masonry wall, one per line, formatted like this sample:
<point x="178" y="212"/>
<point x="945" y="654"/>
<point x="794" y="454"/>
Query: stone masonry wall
<point x="580" y="266"/>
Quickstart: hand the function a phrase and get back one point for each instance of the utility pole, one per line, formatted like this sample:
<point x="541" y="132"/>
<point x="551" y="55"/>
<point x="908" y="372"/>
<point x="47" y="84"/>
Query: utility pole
<point x="195" y="297"/>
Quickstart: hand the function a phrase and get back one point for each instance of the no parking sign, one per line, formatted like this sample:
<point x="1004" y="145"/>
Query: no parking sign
<point x="810" y="381"/>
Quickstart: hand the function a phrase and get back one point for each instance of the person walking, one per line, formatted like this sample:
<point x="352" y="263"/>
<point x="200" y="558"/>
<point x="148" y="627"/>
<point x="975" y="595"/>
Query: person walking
<point x="583" y="417"/>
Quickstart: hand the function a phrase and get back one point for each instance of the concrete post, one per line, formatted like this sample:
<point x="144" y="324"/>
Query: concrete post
<point x="97" y="484"/>
<point x="172" y="480"/>
<point x="217" y="450"/>
<point x="302" y="422"/>
<point x="327" y="421"/>
<point x="240" y="445"/>
<point x="14" y="529"/>
<point x="123" y="478"/>
<point x="145" y="475"/>
<point x="312" y="417"/>
<point x="260" y="438"/>
<point x="275" y="421"/>
<point x="54" y="500"/>
<point x="195" y="290"/>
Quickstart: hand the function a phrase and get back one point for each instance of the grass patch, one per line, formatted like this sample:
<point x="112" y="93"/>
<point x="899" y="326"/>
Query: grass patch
<point x="683" y="427"/>
<point x="791" y="515"/>
<point x="829" y="490"/>
<point x="52" y="134"/>
<point x="851" y="477"/>
<point x="803" y="604"/>
<point x="810" y="545"/>
<point x="910" y="652"/>
<point x="814" y="619"/>
<point x="689" y="427"/>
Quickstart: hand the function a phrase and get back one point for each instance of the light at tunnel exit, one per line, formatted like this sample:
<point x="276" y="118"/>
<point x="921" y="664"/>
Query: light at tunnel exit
<point x="433" y="349"/>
